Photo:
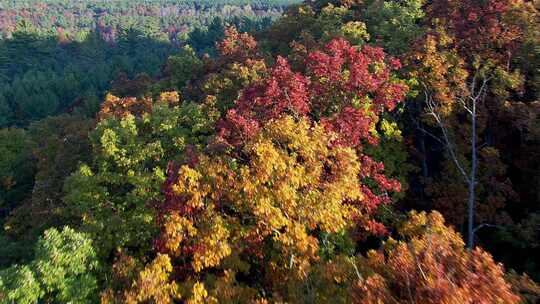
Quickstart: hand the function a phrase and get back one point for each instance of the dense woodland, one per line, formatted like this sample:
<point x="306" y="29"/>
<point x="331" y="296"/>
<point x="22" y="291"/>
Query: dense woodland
<point x="346" y="151"/>
<point x="59" y="55"/>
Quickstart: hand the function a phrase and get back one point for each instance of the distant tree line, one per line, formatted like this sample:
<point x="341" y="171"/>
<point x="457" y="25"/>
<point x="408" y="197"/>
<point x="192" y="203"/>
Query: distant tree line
<point x="63" y="55"/>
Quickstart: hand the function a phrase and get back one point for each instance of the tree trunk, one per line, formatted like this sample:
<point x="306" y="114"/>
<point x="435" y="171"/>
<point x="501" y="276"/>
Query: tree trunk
<point x="472" y="178"/>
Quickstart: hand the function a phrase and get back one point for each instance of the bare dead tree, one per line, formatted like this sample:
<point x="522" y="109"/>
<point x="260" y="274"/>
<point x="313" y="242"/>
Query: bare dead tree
<point x="470" y="103"/>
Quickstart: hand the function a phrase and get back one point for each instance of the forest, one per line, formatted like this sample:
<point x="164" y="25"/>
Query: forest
<point x="58" y="55"/>
<point x="270" y="151"/>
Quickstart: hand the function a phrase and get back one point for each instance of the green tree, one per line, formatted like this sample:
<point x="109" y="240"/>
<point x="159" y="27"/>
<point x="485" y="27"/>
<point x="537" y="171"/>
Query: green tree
<point x="394" y="24"/>
<point x="16" y="168"/>
<point x="113" y="193"/>
<point x="59" y="145"/>
<point x="182" y="67"/>
<point x="5" y="112"/>
<point x="61" y="271"/>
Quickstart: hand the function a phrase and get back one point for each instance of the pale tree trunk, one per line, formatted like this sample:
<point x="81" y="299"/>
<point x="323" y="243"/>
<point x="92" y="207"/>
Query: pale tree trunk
<point x="472" y="178"/>
<point x="469" y="104"/>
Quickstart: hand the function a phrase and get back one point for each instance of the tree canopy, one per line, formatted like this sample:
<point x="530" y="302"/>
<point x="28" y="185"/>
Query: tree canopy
<point x="343" y="152"/>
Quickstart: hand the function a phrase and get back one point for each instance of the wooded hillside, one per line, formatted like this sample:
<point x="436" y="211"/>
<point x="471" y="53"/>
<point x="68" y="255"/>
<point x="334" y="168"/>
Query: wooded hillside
<point x="346" y="152"/>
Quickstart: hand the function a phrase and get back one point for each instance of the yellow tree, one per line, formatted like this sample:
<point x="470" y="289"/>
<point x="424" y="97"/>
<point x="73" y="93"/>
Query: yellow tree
<point x="260" y="217"/>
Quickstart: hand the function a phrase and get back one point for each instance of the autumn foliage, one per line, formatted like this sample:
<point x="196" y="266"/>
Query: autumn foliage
<point x="432" y="266"/>
<point x="289" y="171"/>
<point x="286" y="171"/>
<point x="345" y="89"/>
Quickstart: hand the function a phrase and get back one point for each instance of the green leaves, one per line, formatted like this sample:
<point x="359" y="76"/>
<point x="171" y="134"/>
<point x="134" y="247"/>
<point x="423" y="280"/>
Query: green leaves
<point x="182" y="67"/>
<point x="394" y="24"/>
<point x="62" y="270"/>
<point x="113" y="194"/>
<point x="16" y="167"/>
<point x="19" y="285"/>
<point x="64" y="262"/>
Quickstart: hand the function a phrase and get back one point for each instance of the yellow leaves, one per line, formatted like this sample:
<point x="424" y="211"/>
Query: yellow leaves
<point x="355" y="31"/>
<point x="172" y="97"/>
<point x="288" y="161"/>
<point x="176" y="230"/>
<point x="421" y="223"/>
<point x="289" y="185"/>
<point x="208" y="233"/>
<point x="268" y="161"/>
<point x="248" y="73"/>
<point x="391" y="130"/>
<point x="332" y="11"/>
<point x="189" y="184"/>
<point x="153" y="284"/>
<point x="214" y="244"/>
<point x="109" y="142"/>
<point x="415" y="225"/>
<point x="300" y="249"/>
<point x="227" y="290"/>
<point x="296" y="135"/>
<point x="200" y="295"/>
<point x="85" y="171"/>
<point x="264" y="209"/>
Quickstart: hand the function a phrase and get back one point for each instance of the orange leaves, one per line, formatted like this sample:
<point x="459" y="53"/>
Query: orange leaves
<point x="373" y="290"/>
<point x="237" y="45"/>
<point x="120" y="107"/>
<point x="171" y="98"/>
<point x="432" y="266"/>
<point x="441" y="69"/>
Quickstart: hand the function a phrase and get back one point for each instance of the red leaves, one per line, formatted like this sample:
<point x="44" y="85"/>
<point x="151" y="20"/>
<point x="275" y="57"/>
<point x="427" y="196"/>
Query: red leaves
<point x="347" y="89"/>
<point x="284" y="91"/>
<point x="352" y="87"/>
<point x="480" y="27"/>
<point x="357" y="74"/>
<point x="352" y="126"/>
<point x="238" y="46"/>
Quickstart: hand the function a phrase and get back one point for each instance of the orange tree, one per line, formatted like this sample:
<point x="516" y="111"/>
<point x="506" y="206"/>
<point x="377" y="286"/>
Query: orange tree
<point x="431" y="265"/>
